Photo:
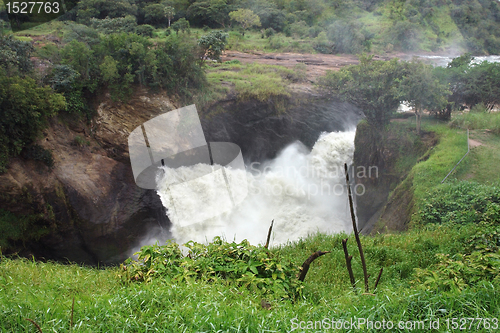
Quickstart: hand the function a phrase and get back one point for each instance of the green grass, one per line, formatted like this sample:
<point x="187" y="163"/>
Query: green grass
<point x="485" y="158"/>
<point x="478" y="120"/>
<point x="249" y="81"/>
<point x="44" y="292"/>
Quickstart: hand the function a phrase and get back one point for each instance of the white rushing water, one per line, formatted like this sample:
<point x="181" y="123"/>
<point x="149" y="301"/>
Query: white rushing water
<point x="304" y="192"/>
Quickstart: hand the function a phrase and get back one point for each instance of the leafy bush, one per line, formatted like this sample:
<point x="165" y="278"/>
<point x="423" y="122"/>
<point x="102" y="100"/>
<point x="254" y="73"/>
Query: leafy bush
<point x="114" y="25"/>
<point x="460" y="271"/>
<point x="15" y="55"/>
<point x="347" y="37"/>
<point x="241" y="265"/>
<point x="269" y="32"/>
<point x="463" y="202"/>
<point x="405" y="35"/>
<point x="25" y="109"/>
<point x="63" y="77"/>
<point x="322" y="44"/>
<point x="80" y="142"/>
<point x="81" y="33"/>
<point x="38" y="153"/>
<point x="145" y="30"/>
<point x="213" y="45"/>
<point x="15" y="228"/>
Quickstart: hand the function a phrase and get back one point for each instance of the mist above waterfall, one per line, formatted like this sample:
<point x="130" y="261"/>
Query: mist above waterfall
<point x="302" y="190"/>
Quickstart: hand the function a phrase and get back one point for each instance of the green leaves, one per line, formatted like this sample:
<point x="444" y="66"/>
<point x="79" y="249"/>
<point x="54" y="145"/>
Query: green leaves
<point x="239" y="264"/>
<point x="24" y="110"/>
<point x="464" y="202"/>
<point x="213" y="44"/>
<point x="369" y="85"/>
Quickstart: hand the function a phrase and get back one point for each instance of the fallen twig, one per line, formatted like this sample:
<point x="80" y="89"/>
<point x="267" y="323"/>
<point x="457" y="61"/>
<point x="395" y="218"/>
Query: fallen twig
<point x="305" y="265"/>
<point x="36" y="325"/>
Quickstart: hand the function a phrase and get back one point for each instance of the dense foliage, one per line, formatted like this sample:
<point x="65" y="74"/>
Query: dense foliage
<point x="25" y="108"/>
<point x="352" y="26"/>
<point x="372" y="86"/>
<point x="464" y="202"/>
<point x="240" y="265"/>
<point x="87" y="63"/>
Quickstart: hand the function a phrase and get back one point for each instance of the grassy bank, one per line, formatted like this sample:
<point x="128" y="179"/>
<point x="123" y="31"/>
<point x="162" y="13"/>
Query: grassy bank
<point x="44" y="292"/>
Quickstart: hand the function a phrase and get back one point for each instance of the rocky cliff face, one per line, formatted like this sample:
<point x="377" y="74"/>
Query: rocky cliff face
<point x="88" y="208"/>
<point x="262" y="130"/>
<point x="387" y="202"/>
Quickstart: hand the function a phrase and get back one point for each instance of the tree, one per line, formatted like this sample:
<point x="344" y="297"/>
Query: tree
<point x="371" y="86"/>
<point x="101" y="9"/>
<point x="24" y="109"/>
<point x="181" y="25"/>
<point x="169" y="13"/>
<point x="246" y="18"/>
<point x="114" y="25"/>
<point x="15" y="55"/>
<point x="213" y="44"/>
<point x="155" y="14"/>
<point x="207" y="12"/>
<point x="421" y="89"/>
<point x="471" y="83"/>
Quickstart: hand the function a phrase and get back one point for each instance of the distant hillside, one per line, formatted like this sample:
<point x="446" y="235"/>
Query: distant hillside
<point x="338" y="26"/>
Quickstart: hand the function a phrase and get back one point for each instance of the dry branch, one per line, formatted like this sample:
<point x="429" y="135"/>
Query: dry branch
<point x="269" y="235"/>
<point x="348" y="259"/>
<point x="355" y="228"/>
<point x="378" y="278"/>
<point x="305" y="265"/>
<point x="36" y="325"/>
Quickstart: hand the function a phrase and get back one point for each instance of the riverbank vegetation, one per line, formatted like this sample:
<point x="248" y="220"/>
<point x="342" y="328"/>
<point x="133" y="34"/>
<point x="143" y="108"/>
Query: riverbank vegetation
<point x="435" y="272"/>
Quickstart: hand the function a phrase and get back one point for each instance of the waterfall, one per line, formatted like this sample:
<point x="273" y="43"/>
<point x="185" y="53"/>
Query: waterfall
<point x="303" y="191"/>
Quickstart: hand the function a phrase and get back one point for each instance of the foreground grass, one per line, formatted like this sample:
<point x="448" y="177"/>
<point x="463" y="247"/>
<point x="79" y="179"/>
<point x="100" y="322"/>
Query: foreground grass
<point x="44" y="292"/>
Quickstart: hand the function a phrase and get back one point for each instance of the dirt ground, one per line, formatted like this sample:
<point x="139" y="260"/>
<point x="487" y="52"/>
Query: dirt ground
<point x="317" y="64"/>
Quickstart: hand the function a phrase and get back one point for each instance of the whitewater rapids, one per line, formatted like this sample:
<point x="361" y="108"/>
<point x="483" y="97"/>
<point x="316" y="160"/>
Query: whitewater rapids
<point x="302" y="191"/>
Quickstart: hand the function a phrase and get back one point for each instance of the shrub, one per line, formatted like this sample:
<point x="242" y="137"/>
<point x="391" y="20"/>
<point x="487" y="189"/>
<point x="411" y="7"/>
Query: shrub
<point x="145" y="30"/>
<point x="463" y="202"/>
<point x="347" y="37"/>
<point x="241" y="265"/>
<point x="81" y="33"/>
<point x="114" y="25"/>
<point x="25" y="109"/>
<point x="38" y="153"/>
<point x="80" y="142"/>
<point x="269" y="32"/>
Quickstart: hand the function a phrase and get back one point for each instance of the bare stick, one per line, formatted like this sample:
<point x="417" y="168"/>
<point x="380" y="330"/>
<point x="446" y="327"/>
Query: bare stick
<point x="72" y="310"/>
<point x="269" y="234"/>
<point x="355" y="228"/>
<point x="348" y="259"/>
<point x="305" y="265"/>
<point x="36" y="325"/>
<point x="378" y="278"/>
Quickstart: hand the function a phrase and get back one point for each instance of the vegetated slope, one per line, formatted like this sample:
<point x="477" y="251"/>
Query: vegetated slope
<point x="322" y="26"/>
<point x="447" y="267"/>
<point x="349" y="26"/>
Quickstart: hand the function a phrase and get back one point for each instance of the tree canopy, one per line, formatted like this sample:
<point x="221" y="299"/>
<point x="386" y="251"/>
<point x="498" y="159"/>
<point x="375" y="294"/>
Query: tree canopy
<point x="246" y="18"/>
<point x="372" y="86"/>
